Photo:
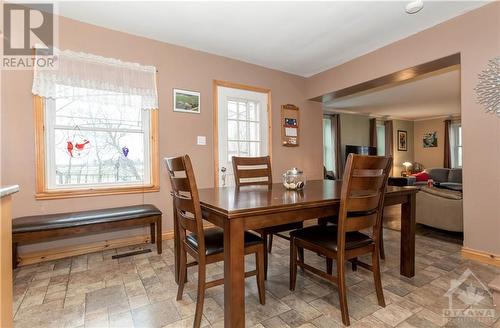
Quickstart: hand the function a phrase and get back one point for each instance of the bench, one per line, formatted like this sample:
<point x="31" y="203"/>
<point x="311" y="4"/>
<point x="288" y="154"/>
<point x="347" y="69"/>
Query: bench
<point x="45" y="227"/>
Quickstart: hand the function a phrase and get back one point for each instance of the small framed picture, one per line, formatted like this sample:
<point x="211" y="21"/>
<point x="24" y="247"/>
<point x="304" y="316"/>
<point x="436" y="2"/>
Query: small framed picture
<point x="186" y="101"/>
<point x="402" y="140"/>
<point x="430" y="140"/>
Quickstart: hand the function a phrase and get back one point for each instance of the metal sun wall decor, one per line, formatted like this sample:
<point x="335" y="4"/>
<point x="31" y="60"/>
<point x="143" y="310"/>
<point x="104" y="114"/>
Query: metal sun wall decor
<point x="488" y="87"/>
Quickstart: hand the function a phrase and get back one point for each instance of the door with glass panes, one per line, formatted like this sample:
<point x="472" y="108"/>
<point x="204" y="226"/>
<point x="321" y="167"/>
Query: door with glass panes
<point x="242" y="128"/>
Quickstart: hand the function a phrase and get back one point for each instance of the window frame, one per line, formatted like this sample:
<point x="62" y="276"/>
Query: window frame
<point x="455" y="132"/>
<point x="41" y="186"/>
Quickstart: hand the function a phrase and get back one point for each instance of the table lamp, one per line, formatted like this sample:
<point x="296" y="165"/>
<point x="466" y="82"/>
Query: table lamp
<point x="406" y="165"/>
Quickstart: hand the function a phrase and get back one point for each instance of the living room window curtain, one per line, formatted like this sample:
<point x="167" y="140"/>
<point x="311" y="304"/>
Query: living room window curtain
<point x="373" y="132"/>
<point x="447" y="148"/>
<point x="388" y="138"/>
<point x="97" y="79"/>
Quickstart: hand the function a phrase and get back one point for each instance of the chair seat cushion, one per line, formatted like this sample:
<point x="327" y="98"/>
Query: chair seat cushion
<point x="214" y="240"/>
<point x="326" y="237"/>
<point x="74" y="219"/>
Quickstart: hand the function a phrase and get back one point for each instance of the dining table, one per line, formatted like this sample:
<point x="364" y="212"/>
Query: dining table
<point x="254" y="207"/>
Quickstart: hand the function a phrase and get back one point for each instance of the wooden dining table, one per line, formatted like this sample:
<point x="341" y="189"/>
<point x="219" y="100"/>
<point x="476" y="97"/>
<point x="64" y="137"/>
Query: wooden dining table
<point x="254" y="207"/>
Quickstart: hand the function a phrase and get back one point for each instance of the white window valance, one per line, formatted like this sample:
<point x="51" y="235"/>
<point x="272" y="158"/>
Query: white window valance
<point x="97" y="79"/>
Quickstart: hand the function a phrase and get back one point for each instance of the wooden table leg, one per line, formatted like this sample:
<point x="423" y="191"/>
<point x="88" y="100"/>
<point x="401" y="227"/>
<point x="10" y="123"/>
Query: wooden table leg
<point x="407" y="261"/>
<point x="234" y="274"/>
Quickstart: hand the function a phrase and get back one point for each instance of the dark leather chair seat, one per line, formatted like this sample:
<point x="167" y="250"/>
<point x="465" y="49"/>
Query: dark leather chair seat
<point x="214" y="240"/>
<point x="326" y="236"/>
<point x="66" y="220"/>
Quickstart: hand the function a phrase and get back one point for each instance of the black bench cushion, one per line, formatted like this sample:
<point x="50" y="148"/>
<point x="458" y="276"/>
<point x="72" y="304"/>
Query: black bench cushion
<point x="67" y="220"/>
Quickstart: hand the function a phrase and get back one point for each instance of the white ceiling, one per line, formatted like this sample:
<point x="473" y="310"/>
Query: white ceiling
<point x="302" y="38"/>
<point x="432" y="96"/>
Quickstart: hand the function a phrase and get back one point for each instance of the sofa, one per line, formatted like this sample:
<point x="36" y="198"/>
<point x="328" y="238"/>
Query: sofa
<point x="441" y="207"/>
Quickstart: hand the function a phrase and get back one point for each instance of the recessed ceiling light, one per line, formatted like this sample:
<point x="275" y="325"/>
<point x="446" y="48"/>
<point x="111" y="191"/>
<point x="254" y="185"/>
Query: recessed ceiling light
<point x="414" y="6"/>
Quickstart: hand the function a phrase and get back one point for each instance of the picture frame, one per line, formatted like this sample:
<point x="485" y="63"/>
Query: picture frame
<point x="402" y="140"/>
<point x="429" y="140"/>
<point x="186" y="101"/>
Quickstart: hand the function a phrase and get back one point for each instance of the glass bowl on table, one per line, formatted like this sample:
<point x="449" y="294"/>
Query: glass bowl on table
<point x="294" y="179"/>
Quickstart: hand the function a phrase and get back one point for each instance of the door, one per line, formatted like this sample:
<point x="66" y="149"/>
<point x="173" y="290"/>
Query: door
<point x="242" y="128"/>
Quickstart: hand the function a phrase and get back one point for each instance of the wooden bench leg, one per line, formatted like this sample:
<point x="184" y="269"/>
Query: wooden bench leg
<point x="158" y="235"/>
<point x="152" y="231"/>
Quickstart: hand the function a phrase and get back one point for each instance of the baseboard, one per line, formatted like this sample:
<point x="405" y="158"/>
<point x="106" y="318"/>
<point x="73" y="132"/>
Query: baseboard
<point x="481" y="256"/>
<point x="62" y="252"/>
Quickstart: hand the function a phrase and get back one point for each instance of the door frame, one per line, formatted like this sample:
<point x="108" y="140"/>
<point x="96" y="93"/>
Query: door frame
<point x="219" y="83"/>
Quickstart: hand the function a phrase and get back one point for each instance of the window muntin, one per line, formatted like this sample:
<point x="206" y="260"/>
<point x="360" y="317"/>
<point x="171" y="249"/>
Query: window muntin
<point x="96" y="142"/>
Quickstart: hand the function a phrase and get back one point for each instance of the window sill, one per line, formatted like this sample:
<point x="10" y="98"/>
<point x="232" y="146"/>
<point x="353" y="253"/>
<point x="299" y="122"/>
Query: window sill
<point x="75" y="193"/>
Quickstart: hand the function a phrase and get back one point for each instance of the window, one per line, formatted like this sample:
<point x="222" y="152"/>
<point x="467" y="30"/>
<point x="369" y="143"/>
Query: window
<point x="456" y="144"/>
<point x="328" y="149"/>
<point x="243" y="128"/>
<point x="96" y="127"/>
<point x="380" y="138"/>
<point x="94" y="148"/>
<point x="330" y="143"/>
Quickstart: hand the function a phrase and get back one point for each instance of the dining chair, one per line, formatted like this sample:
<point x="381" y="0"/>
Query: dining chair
<point x="250" y="171"/>
<point x="204" y="245"/>
<point x="361" y="204"/>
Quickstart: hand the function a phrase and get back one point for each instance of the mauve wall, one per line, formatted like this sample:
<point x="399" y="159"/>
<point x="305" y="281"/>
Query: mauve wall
<point x="178" y="67"/>
<point x="476" y="35"/>
<point x="429" y="157"/>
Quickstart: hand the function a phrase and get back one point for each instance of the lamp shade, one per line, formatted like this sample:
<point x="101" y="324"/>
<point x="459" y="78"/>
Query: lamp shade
<point x="407" y="164"/>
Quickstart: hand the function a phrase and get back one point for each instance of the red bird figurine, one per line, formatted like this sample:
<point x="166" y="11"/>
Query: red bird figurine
<point x="70" y="148"/>
<point x="82" y="145"/>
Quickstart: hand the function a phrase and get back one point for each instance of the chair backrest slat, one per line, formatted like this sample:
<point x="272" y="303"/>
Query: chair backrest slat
<point x="181" y="184"/>
<point x="252" y="171"/>
<point x="186" y="221"/>
<point x="175" y="164"/>
<point x="184" y="204"/>
<point x="356" y="223"/>
<point x="185" y="197"/>
<point x="362" y="203"/>
<point x="362" y="195"/>
<point x="367" y="182"/>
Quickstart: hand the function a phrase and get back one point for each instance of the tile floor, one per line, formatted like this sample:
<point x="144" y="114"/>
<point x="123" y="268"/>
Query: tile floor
<point x="96" y="291"/>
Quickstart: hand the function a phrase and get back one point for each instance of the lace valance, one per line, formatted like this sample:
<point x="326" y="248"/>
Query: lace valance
<point x="99" y="79"/>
